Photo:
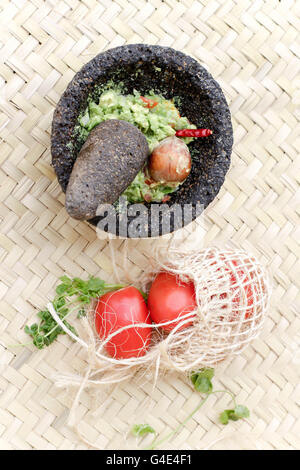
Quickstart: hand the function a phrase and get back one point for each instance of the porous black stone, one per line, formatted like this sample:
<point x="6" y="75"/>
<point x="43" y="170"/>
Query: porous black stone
<point x="114" y="152"/>
<point x="173" y="74"/>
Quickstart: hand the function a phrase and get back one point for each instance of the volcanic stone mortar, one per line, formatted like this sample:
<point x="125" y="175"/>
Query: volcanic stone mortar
<point x="199" y="98"/>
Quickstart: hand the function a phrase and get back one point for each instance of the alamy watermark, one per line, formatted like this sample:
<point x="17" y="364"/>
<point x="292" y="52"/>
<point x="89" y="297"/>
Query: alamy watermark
<point x="142" y="221"/>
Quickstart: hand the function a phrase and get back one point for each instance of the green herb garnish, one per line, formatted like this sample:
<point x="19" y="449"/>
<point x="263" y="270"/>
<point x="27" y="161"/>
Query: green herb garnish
<point x="240" y="411"/>
<point x="202" y="381"/>
<point x="140" y="430"/>
<point x="71" y="295"/>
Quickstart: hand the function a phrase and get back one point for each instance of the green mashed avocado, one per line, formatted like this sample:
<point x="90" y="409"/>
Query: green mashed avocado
<point x="155" y="121"/>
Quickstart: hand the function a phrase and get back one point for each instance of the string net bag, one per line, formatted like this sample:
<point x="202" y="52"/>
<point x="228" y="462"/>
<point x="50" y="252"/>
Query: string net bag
<point x="232" y="292"/>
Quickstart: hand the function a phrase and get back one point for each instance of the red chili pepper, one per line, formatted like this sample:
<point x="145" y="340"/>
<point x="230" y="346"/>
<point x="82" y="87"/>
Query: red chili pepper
<point x="193" y="133"/>
<point x="166" y="198"/>
<point x="150" y="103"/>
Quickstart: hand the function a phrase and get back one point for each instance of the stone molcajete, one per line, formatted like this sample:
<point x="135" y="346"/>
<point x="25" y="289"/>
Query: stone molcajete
<point x="170" y="73"/>
<point x="108" y="161"/>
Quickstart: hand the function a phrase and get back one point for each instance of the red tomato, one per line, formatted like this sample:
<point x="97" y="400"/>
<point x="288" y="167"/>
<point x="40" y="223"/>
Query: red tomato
<point x="240" y="286"/>
<point x="169" y="299"/>
<point x="241" y="278"/>
<point x="116" y="310"/>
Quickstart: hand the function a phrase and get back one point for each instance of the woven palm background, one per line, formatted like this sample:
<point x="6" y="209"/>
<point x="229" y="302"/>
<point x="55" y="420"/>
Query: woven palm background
<point x="252" y="48"/>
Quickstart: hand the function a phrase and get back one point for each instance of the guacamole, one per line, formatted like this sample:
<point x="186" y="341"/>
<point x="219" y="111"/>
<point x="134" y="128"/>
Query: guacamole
<point x="156" y="117"/>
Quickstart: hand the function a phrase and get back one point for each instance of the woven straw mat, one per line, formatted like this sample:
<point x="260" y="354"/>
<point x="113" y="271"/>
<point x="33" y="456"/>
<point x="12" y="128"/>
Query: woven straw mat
<point x="252" y="49"/>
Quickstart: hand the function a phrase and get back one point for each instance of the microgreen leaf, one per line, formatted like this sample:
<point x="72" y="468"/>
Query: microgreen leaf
<point x="66" y="280"/>
<point x="207" y="372"/>
<point x="224" y="417"/>
<point x="61" y="288"/>
<point x="44" y="333"/>
<point x="203" y="385"/>
<point x="227" y="415"/>
<point x="95" y="284"/>
<point x="202" y="380"/>
<point x="242" y="411"/>
<point x="140" y="430"/>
